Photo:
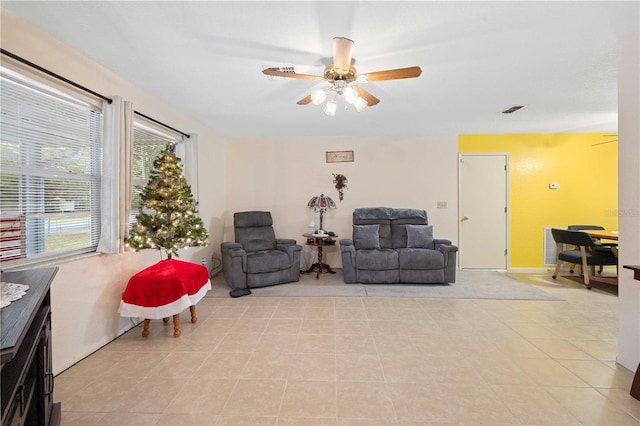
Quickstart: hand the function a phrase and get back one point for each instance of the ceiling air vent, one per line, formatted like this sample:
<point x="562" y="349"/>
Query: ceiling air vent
<point x="281" y="69"/>
<point x="512" y="109"/>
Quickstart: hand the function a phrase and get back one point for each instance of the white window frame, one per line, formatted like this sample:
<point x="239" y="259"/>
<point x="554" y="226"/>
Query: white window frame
<point x="38" y="228"/>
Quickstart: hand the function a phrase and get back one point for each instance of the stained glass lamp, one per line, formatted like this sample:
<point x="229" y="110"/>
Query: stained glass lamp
<point x="321" y="203"/>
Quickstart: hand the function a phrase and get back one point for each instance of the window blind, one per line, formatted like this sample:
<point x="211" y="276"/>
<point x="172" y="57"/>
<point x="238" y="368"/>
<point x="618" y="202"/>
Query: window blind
<point x="147" y="144"/>
<point x="50" y="170"/>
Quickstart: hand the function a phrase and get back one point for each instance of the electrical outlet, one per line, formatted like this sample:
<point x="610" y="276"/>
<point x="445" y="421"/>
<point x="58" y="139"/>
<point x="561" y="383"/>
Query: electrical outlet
<point x="442" y="204"/>
<point x="554" y="185"/>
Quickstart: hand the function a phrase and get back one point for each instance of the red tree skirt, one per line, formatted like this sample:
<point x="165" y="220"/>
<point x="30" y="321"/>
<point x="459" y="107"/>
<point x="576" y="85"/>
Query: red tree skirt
<point x="164" y="289"/>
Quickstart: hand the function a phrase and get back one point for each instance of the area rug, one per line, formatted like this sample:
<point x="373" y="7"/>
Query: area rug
<point x="596" y="284"/>
<point x="468" y="285"/>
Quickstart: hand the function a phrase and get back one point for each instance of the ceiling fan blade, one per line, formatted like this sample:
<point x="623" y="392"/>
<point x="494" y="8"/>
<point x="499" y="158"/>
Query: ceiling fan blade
<point x="276" y="73"/>
<point x="342" y="48"/>
<point x="410" y="72"/>
<point x="371" y="100"/>
<point x="604" y="143"/>
<point x="304" y="101"/>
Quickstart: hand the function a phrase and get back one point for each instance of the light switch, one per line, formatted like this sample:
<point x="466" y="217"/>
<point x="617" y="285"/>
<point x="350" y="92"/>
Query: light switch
<point x="442" y="204"/>
<point x="554" y="185"/>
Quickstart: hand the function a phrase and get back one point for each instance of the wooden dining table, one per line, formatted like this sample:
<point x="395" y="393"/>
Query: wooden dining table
<point x="605" y="235"/>
<point x="602" y="234"/>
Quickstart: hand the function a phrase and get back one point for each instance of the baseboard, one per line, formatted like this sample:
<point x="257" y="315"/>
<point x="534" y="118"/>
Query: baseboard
<point x="530" y="270"/>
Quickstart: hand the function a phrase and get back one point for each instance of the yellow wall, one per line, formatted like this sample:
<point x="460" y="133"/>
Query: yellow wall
<point x="586" y="170"/>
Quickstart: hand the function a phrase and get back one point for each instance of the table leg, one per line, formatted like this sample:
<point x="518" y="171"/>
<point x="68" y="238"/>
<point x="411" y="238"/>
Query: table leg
<point x="320" y="265"/>
<point x="176" y="325"/>
<point x="145" y="327"/>
<point x="635" y="386"/>
<point x="319" y="260"/>
<point x="194" y="318"/>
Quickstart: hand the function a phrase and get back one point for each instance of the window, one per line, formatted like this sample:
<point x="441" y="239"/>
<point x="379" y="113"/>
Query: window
<point x="50" y="169"/>
<point x="147" y="144"/>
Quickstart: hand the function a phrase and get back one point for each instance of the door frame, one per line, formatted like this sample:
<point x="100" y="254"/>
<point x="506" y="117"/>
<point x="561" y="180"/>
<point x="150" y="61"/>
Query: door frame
<point x="461" y="155"/>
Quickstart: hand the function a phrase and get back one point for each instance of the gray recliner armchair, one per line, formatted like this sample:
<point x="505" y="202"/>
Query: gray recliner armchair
<point x="258" y="258"/>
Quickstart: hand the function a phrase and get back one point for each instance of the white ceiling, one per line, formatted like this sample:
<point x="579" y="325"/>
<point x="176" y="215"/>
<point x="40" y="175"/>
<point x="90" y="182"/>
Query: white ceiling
<point x="478" y="58"/>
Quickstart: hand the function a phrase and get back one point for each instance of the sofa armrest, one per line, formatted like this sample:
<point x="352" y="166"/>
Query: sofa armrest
<point x="437" y="241"/>
<point x="449" y="252"/>
<point x="291" y="247"/>
<point x="348" y="254"/>
<point x="234" y="264"/>
<point x="446" y="248"/>
<point x="346" y="246"/>
<point x="346" y="242"/>
<point x="233" y="249"/>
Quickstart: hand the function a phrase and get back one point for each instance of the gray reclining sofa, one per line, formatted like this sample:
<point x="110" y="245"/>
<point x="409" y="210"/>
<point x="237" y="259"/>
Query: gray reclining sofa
<point x="396" y="246"/>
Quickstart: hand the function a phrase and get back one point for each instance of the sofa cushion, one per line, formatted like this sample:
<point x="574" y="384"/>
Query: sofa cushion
<point x="420" y="236"/>
<point x="421" y="259"/>
<point x="377" y="260"/>
<point x="256" y="238"/>
<point x="267" y="261"/>
<point x="384" y="232"/>
<point x="252" y="219"/>
<point x="409" y="216"/>
<point x="399" y="236"/>
<point x="366" y="236"/>
<point x="372" y="213"/>
<point x="399" y="233"/>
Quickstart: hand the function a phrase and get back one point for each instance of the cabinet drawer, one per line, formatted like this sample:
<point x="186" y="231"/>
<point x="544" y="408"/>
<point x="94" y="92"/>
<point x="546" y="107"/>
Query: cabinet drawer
<point x="21" y="412"/>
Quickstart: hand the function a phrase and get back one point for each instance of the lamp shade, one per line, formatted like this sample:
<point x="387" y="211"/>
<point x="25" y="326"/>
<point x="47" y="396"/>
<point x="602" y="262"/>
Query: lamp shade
<point x="321" y="203"/>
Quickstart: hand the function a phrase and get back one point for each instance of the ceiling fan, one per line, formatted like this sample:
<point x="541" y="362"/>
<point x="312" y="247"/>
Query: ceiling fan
<point x="340" y="74"/>
<point x="609" y="141"/>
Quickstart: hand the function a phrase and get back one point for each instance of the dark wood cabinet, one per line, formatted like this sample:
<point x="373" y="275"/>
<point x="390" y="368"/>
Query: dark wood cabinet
<point x="27" y="370"/>
<point x="635" y="386"/>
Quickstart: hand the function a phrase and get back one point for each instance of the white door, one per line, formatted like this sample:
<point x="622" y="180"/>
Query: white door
<point x="483" y="211"/>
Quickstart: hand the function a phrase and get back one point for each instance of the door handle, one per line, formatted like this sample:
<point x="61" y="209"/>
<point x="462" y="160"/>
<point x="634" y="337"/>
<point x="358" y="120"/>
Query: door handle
<point x="464" y="218"/>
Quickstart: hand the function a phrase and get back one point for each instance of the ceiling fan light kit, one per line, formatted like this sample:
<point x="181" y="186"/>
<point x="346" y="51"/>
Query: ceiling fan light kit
<point x="330" y="108"/>
<point x="340" y="74"/>
<point x="319" y="96"/>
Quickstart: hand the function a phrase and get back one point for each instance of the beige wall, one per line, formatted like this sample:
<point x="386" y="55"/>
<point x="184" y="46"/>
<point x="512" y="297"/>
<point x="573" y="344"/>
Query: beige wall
<point x="282" y="174"/>
<point x="85" y="293"/>
<point x="629" y="204"/>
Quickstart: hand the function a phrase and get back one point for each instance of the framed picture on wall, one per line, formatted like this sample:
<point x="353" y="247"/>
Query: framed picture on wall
<point x="339" y="156"/>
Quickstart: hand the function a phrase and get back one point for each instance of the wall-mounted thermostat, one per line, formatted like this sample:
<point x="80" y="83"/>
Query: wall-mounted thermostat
<point x="554" y="185"/>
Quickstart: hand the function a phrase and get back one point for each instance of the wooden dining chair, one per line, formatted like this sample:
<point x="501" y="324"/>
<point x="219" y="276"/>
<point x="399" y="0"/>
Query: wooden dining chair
<point x="582" y="254"/>
<point x="599" y="247"/>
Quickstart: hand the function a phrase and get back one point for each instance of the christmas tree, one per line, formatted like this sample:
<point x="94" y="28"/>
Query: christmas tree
<point x="167" y="217"/>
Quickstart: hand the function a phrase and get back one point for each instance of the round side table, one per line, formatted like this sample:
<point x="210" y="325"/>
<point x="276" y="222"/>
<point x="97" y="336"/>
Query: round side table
<point x="318" y="240"/>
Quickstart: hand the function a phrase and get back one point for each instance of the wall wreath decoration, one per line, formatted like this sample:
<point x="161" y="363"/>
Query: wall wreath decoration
<point x="341" y="184"/>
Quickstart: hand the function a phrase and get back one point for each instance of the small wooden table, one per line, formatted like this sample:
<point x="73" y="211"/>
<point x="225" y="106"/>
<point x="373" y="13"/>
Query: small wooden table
<point x="318" y="240"/>
<point x="164" y="290"/>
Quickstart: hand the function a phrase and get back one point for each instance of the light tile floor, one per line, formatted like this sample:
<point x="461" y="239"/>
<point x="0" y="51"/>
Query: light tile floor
<point x="365" y="361"/>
